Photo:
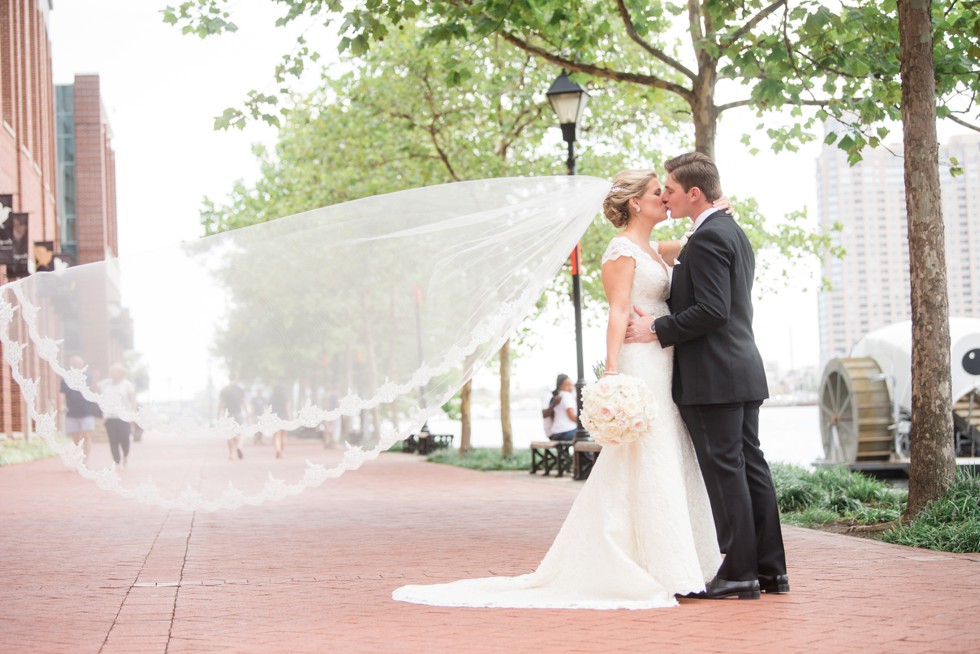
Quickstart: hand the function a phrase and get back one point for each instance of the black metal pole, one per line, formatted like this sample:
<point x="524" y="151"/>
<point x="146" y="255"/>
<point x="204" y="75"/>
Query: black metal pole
<point x="580" y="433"/>
<point x="418" y="334"/>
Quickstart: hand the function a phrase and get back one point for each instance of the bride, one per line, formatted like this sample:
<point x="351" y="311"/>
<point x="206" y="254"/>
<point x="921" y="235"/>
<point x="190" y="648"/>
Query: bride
<point x="641" y="529"/>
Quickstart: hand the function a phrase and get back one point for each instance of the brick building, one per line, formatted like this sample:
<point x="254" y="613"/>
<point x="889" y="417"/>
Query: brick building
<point x="87" y="218"/>
<point x="86" y="172"/>
<point x="28" y="205"/>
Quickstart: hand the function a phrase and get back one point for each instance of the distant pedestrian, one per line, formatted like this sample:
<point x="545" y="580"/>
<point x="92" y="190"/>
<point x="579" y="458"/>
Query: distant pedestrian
<point x="562" y="410"/>
<point x="80" y="414"/>
<point x="232" y="401"/>
<point x="282" y="407"/>
<point x="259" y="403"/>
<point x="118" y="397"/>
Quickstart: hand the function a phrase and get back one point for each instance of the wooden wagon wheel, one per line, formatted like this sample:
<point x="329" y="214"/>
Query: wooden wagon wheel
<point x="855" y="412"/>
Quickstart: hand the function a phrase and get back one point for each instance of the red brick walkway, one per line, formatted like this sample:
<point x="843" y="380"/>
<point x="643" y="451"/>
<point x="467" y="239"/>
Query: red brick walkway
<point x="85" y="571"/>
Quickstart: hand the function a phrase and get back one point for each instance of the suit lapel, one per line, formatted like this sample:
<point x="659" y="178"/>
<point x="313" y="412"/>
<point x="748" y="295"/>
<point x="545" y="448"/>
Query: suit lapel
<point x="706" y="221"/>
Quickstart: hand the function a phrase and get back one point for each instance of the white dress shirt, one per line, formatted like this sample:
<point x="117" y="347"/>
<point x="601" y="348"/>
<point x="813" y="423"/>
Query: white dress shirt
<point x="701" y="218"/>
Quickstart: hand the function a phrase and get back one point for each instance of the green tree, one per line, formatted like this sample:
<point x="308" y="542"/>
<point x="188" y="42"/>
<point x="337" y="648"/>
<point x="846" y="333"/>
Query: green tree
<point x="932" y="466"/>
<point x="914" y="61"/>
<point x="457" y="76"/>
<point x="780" y="54"/>
<point x="389" y="124"/>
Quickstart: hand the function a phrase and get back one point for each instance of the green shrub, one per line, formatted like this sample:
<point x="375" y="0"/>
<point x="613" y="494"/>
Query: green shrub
<point x="795" y="490"/>
<point x="796" y="496"/>
<point x="833" y="494"/>
<point x="19" y="451"/>
<point x="810" y="517"/>
<point x="875" y="515"/>
<point x="842" y="504"/>
<point x="840" y="481"/>
<point x="484" y="459"/>
<point x="951" y="525"/>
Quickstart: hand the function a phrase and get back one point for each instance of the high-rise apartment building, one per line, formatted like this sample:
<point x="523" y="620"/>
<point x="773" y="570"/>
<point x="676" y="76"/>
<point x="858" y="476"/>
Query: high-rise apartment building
<point x="870" y="285"/>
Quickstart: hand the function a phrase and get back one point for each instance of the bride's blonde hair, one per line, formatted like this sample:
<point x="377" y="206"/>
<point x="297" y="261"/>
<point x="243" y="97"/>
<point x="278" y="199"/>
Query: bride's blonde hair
<point x="626" y="185"/>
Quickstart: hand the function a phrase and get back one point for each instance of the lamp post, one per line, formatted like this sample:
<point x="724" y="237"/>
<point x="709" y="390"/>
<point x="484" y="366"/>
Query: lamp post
<point x="569" y="100"/>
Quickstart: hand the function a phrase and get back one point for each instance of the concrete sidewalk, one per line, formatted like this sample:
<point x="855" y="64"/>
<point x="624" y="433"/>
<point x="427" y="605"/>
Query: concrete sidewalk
<point x="82" y="570"/>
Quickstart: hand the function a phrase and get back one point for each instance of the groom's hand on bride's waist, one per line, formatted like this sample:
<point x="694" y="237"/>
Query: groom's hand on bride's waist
<point x="638" y="330"/>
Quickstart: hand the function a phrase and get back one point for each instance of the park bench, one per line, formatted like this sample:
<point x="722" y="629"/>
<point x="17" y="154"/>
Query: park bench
<point x="429" y="443"/>
<point x="586" y="453"/>
<point x="551" y="455"/>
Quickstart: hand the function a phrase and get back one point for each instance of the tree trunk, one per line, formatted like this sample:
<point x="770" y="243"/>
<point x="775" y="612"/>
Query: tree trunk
<point x="705" y="129"/>
<point x="466" y="424"/>
<point x="508" y="433"/>
<point x="932" y="463"/>
<point x="703" y="110"/>
<point x="345" y="420"/>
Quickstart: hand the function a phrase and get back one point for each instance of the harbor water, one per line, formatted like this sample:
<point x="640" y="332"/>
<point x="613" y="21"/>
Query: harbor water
<point x="789" y="434"/>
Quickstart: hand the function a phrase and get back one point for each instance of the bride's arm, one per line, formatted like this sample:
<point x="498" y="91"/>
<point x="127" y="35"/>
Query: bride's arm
<point x="617" y="281"/>
<point x="669" y="250"/>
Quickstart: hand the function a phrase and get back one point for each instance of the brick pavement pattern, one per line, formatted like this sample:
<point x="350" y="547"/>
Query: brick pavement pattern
<point x="82" y="570"/>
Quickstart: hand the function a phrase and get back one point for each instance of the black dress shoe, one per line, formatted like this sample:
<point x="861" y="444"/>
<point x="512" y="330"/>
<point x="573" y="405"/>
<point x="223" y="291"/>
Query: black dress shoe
<point x="724" y="589"/>
<point x="774" y="583"/>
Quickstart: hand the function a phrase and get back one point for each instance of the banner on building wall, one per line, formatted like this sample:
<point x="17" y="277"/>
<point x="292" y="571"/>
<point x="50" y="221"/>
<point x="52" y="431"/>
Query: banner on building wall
<point x="13" y="239"/>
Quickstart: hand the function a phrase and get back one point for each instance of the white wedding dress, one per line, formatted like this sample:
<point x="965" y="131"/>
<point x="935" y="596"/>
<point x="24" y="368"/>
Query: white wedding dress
<point x="640" y="530"/>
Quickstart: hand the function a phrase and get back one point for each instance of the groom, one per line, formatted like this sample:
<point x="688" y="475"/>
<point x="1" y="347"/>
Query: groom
<point x="719" y="382"/>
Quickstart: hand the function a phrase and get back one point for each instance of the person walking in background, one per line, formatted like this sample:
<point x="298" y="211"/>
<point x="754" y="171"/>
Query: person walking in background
<point x="232" y="401"/>
<point x="281" y="407"/>
<point x="259" y="402"/>
<point x="80" y="414"/>
<point x="119" y="396"/>
<point x="564" y="413"/>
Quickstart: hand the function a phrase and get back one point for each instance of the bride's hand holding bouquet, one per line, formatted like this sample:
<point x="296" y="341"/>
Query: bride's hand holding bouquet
<point x="617" y="409"/>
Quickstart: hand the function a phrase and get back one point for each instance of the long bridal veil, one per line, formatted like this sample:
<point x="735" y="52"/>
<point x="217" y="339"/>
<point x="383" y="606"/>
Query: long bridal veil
<point x="346" y="327"/>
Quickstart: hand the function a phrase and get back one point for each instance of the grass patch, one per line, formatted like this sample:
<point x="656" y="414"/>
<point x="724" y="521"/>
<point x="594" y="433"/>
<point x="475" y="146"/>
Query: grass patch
<point x="951" y="524"/>
<point x="397" y="447"/>
<point x="19" y="451"/>
<point x="836" y="499"/>
<point x="834" y="496"/>
<point x="812" y="517"/>
<point x="484" y="459"/>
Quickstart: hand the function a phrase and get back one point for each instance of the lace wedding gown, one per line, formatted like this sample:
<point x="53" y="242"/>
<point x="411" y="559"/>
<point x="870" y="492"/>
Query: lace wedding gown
<point x="640" y="530"/>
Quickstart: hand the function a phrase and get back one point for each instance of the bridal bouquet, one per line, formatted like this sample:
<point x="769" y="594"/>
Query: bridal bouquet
<point x="617" y="409"/>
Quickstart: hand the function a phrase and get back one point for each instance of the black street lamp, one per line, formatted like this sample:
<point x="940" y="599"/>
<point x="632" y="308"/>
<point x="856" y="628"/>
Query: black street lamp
<point x="569" y="100"/>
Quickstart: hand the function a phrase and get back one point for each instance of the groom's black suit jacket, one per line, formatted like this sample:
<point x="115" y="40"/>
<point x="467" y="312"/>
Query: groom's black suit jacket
<point x="716" y="360"/>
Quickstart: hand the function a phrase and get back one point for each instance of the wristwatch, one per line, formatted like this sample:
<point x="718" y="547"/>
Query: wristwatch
<point x="653" y="328"/>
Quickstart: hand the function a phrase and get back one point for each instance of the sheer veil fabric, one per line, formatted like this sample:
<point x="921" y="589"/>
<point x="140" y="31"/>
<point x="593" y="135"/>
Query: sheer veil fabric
<point x="347" y="327"/>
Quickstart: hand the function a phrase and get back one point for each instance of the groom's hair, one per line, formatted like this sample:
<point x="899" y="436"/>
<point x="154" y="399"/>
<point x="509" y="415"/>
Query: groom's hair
<point x="696" y="169"/>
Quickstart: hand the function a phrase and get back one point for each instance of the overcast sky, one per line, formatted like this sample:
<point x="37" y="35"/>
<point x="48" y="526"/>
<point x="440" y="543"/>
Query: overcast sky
<point x="162" y="91"/>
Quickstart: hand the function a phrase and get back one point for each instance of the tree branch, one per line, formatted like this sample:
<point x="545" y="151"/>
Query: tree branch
<point x="599" y="71"/>
<point x="743" y="103"/>
<point x="694" y="19"/>
<point x="433" y="131"/>
<point x="960" y="121"/>
<point x="752" y="22"/>
<point x="643" y="43"/>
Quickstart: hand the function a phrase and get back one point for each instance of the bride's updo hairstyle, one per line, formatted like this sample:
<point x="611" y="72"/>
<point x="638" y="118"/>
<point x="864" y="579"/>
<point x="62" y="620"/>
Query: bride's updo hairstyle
<point x="626" y="185"/>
